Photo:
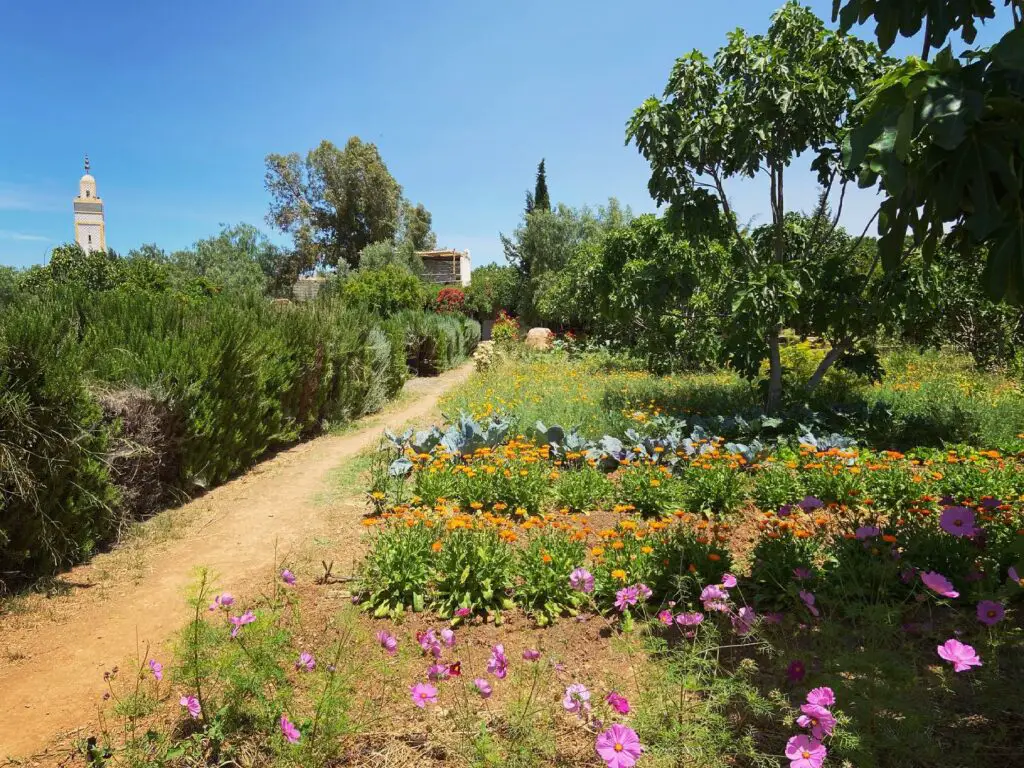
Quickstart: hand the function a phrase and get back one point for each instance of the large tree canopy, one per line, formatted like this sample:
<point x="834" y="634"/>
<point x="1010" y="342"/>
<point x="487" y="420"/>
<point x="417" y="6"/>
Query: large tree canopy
<point x="944" y="139"/>
<point x="335" y="202"/>
<point x="763" y="101"/>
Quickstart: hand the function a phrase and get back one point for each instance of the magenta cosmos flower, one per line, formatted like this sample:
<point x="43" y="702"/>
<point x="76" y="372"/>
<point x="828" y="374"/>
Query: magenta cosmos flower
<point x="958" y="521"/>
<point x="626" y="597"/>
<point x="643" y="591"/>
<point x="796" y="671"/>
<point x="429" y="643"/>
<point x="448" y="637"/>
<point x="619" y="746"/>
<point x="462" y="612"/>
<point x="665" y="617"/>
<point x="483" y="688"/>
<point x="960" y="655"/>
<point x="1014" y="577"/>
<point x="939" y="584"/>
<point x="387" y="642"/>
<point x="240" y="621"/>
<point x="191" y="703"/>
<point x="728" y="581"/>
<point x="224" y="600"/>
<point x="157" y="669"/>
<point x="287" y="576"/>
<point x="497" y="665"/>
<point x="306" y="662"/>
<point x="618" y="702"/>
<point x="990" y="612"/>
<point x="531" y="654"/>
<point x="801" y="574"/>
<point x="582" y="580"/>
<point x="867" y="532"/>
<point x="821" y="697"/>
<point x="290" y="732"/>
<point x="438" y="672"/>
<point x="805" y="752"/>
<point x="423" y="694"/>
<point x="809" y="600"/>
<point x="818" y="719"/>
<point x="744" y="620"/>
<point x="689" y="619"/>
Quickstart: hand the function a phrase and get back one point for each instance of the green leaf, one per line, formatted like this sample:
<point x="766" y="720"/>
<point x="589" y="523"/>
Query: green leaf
<point x="1009" y="51"/>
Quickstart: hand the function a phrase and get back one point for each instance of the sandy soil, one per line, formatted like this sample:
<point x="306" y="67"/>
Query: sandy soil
<point x="55" y="649"/>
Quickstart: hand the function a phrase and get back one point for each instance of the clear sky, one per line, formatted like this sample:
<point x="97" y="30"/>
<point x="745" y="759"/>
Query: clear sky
<point x="178" y="103"/>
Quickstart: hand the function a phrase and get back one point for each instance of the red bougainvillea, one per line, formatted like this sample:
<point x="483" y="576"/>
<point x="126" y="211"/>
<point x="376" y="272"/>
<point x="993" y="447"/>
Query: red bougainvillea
<point x="449" y="300"/>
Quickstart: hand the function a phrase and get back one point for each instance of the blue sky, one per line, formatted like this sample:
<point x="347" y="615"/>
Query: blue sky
<point x="178" y="103"/>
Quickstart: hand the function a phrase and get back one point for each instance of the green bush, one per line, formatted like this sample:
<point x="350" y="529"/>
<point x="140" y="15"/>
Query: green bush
<point x="544" y="566"/>
<point x="396" y="571"/>
<point x="474" y="569"/>
<point x="56" y="501"/>
<point x="386" y="291"/>
<point x="436" y="343"/>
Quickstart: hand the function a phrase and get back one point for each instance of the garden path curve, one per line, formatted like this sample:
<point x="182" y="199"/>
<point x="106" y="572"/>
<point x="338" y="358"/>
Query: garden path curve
<point x="56" y="649"/>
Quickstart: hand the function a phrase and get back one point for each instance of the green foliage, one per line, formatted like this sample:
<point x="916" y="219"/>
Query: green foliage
<point x="763" y="101"/>
<point x="385" y="253"/>
<point x="436" y="343"/>
<point x="474" y="569"/>
<point x="397" y="569"/>
<point x="651" y="490"/>
<point x="386" y="291"/>
<point x="335" y="202"/>
<point x="56" y="502"/>
<point x="717" y="490"/>
<point x="583" y="489"/>
<point x="493" y="287"/>
<point x="543" y="567"/>
<point x="688" y="561"/>
<point x="238" y="260"/>
<point x="414" y="228"/>
<point x="942" y="138"/>
<point x="541" y="200"/>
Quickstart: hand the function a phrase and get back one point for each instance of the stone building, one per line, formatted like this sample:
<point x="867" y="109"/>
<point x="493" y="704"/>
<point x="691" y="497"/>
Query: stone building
<point x="90" y="229"/>
<point x="447" y="267"/>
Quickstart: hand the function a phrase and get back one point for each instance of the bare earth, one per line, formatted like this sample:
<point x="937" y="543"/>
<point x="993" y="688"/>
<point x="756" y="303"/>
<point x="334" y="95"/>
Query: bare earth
<point x="56" y="649"/>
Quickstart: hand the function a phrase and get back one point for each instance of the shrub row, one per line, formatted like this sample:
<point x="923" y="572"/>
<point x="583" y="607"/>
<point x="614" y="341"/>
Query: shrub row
<point x="193" y="390"/>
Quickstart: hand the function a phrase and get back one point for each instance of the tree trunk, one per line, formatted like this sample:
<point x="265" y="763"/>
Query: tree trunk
<point x="775" y="371"/>
<point x="827" y="362"/>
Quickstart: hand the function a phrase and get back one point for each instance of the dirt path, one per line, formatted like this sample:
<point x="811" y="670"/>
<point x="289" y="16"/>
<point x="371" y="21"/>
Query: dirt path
<point x="57" y="649"/>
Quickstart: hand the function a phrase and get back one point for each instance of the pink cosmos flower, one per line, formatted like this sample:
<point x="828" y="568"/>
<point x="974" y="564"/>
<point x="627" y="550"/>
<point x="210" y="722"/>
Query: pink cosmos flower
<point x="713" y="592"/>
<point x="665" y="617"/>
<point x="448" y="637"/>
<point x="224" y="600"/>
<point x="744" y="620"/>
<point x="306" y="662"/>
<point x="387" y="642"/>
<point x="810" y="502"/>
<point x="958" y="521"/>
<point x="531" y="654"/>
<point x="960" y="655"/>
<point x="429" y="643"/>
<point x="643" y="591"/>
<point x="809" y="600"/>
<point x="802" y="574"/>
<point x="576" y="699"/>
<point x="728" y="581"/>
<point x="291" y="733"/>
<point x="619" y="703"/>
<point x="157" y="669"/>
<point x="689" y="619"/>
<point x="423" y="694"/>
<point x="582" y="580"/>
<point x="805" y="752"/>
<point x="818" y="719"/>
<point x="497" y="665"/>
<point x="821" y="697"/>
<point x="438" y="672"/>
<point x="795" y="671"/>
<point x="939" y="584"/>
<point x="462" y="612"/>
<point x="240" y="621"/>
<point x="1012" y="573"/>
<point x="483" y="688"/>
<point x="867" y="532"/>
<point x="626" y="597"/>
<point x="191" y="703"/>
<point x="990" y="612"/>
<point x="772" y="617"/>
<point x="619" y="746"/>
<point x="287" y="576"/>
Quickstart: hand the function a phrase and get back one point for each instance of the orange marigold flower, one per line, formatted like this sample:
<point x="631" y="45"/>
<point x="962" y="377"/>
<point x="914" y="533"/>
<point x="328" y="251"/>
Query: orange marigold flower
<point x="619" y="574"/>
<point x="617" y="545"/>
<point x="714" y="558"/>
<point x="436" y="546"/>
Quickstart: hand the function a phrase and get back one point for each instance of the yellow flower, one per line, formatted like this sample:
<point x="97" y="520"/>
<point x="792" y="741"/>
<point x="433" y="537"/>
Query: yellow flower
<point x="619" y="574"/>
<point x="377" y="495"/>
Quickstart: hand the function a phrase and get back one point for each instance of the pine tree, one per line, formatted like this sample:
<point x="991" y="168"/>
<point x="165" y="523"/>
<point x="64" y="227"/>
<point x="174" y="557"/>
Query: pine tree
<point x="529" y="202"/>
<point x="541" y="201"/>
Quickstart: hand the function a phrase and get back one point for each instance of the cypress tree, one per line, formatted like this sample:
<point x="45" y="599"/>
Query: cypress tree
<point x="541" y="201"/>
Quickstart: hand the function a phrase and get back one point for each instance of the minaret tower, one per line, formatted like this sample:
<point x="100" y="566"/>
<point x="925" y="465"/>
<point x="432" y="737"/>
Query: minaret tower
<point x="90" y="231"/>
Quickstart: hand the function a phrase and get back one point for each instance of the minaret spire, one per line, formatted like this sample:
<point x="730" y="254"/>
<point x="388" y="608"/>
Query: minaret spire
<point x="87" y="163"/>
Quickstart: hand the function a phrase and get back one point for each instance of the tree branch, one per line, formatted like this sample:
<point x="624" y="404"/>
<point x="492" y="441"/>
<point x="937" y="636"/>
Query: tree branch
<point x="830" y="358"/>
